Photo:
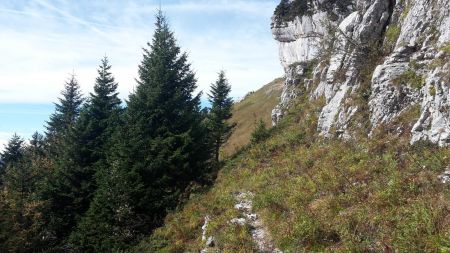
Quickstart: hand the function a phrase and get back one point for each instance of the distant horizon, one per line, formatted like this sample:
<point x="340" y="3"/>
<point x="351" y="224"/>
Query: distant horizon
<point x="37" y="115"/>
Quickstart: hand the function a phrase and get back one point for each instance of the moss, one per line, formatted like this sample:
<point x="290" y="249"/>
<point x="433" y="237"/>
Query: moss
<point x="432" y="91"/>
<point x="413" y="64"/>
<point x="446" y="48"/>
<point x="407" y="8"/>
<point x="410" y="77"/>
<point x="391" y="37"/>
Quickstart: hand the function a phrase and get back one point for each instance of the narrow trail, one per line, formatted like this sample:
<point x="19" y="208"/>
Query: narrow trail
<point x="259" y="232"/>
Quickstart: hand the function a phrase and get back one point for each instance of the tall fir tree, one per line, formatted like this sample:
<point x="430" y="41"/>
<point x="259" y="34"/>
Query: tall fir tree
<point x="161" y="148"/>
<point x="167" y="143"/>
<point x="56" y="191"/>
<point x="65" y="115"/>
<point x="221" y="111"/>
<point x="85" y="151"/>
<point x="91" y="139"/>
<point x="12" y="154"/>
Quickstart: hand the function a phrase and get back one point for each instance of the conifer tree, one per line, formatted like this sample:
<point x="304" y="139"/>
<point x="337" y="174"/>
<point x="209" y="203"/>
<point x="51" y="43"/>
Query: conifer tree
<point x="20" y="217"/>
<point x="12" y="155"/>
<point x="260" y="133"/>
<point x="167" y="140"/>
<point x="89" y="141"/>
<point x="37" y="144"/>
<point x="221" y="111"/>
<point x="84" y="152"/>
<point x="161" y="148"/>
<point x="58" y="190"/>
<point x="65" y="115"/>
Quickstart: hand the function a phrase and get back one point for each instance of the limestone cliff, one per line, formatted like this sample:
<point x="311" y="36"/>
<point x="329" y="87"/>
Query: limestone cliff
<point x="371" y="60"/>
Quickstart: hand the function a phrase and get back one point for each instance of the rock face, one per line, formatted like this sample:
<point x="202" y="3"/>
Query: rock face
<point x="376" y="58"/>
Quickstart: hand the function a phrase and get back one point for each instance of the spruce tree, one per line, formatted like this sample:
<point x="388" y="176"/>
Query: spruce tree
<point x="102" y="114"/>
<point x="260" y="133"/>
<point x="83" y="155"/>
<point x="37" y="144"/>
<point x="167" y="140"/>
<point x="89" y="141"/>
<point x="221" y="111"/>
<point x="20" y="217"/>
<point x="12" y="154"/>
<point x="58" y="189"/>
<point x="161" y="148"/>
<point x="65" y="115"/>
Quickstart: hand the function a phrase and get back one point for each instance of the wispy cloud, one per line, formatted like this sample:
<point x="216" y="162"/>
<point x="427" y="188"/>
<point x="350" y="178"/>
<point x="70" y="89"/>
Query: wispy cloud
<point x="43" y="41"/>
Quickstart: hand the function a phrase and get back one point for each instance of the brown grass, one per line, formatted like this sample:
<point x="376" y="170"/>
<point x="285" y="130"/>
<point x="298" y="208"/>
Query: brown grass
<point x="247" y="112"/>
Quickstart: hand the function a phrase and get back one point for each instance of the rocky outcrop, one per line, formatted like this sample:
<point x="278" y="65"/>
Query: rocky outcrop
<point x="300" y="43"/>
<point x="390" y="55"/>
<point x="445" y="177"/>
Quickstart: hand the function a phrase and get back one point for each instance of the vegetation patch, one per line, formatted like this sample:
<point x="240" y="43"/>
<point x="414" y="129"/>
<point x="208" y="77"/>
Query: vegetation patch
<point x="288" y="10"/>
<point x="247" y="112"/>
<point x="391" y="37"/>
<point x="446" y="48"/>
<point x="316" y="195"/>
<point x="410" y="77"/>
<point x="432" y="91"/>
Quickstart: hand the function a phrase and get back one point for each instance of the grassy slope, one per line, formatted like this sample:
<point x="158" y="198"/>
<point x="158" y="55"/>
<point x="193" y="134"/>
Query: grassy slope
<point x="246" y="112"/>
<point x="318" y="195"/>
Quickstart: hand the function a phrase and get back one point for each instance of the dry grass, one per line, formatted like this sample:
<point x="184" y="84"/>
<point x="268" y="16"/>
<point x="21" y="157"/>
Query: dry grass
<point x="247" y="112"/>
<point x="316" y="195"/>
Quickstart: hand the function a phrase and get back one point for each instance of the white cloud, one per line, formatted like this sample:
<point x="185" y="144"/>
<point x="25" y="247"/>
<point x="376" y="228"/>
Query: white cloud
<point x="43" y="42"/>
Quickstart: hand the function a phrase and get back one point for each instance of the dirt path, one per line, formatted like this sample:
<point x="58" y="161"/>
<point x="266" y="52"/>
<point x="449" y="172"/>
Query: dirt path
<point x="259" y="232"/>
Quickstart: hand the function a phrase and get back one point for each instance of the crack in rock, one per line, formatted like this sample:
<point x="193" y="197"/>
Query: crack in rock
<point x="259" y="233"/>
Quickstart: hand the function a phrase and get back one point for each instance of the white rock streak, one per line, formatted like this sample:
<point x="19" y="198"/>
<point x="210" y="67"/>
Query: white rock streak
<point x="259" y="233"/>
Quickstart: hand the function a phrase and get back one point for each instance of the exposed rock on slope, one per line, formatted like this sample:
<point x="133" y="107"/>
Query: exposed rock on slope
<point x="372" y="58"/>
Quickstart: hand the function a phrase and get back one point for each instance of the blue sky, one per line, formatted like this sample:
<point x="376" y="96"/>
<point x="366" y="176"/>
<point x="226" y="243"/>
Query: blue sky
<point x="43" y="41"/>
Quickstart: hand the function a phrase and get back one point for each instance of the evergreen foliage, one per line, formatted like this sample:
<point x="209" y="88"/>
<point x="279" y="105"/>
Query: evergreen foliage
<point x="288" y="10"/>
<point x="84" y="149"/>
<point x="161" y="148"/>
<point x="12" y="155"/>
<point x="20" y="216"/>
<point x="65" y="115"/>
<point x="260" y="133"/>
<point x="221" y="111"/>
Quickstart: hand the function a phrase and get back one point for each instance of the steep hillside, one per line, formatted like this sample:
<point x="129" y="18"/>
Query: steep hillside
<point x="359" y="159"/>
<point x="256" y="105"/>
<point x="298" y="192"/>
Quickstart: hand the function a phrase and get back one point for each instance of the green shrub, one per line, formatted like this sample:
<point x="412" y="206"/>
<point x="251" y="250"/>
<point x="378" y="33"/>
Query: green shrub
<point x="287" y="11"/>
<point x="432" y="91"/>
<point x="260" y="133"/>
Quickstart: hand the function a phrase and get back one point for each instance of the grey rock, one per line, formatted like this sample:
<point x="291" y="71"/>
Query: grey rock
<point x="424" y="28"/>
<point x="445" y="177"/>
